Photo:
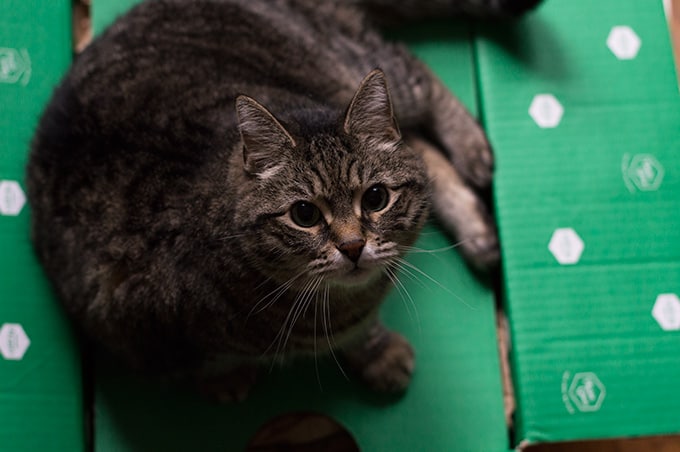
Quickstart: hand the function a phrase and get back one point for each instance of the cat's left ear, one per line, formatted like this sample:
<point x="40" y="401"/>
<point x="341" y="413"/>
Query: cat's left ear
<point x="370" y="113"/>
<point x="265" y="140"/>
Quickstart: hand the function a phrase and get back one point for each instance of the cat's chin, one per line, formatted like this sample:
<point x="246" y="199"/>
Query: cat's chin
<point x="356" y="277"/>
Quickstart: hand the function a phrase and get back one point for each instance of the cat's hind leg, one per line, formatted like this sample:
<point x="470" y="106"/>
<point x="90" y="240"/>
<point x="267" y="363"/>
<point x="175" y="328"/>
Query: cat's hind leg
<point x="460" y="135"/>
<point x="459" y="208"/>
<point x="422" y="102"/>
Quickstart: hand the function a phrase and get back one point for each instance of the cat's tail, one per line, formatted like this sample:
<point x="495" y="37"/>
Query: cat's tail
<point x="408" y="10"/>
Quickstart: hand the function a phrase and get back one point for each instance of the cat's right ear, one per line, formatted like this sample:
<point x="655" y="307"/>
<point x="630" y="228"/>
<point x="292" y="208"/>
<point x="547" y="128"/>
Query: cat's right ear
<point x="264" y="138"/>
<point x="370" y="113"/>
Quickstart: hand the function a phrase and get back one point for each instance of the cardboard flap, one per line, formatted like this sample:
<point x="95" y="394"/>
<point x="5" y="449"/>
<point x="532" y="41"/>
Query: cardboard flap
<point x="41" y="402"/>
<point x="581" y="104"/>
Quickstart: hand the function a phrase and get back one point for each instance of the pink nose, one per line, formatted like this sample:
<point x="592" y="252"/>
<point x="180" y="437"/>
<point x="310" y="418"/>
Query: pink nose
<point x="352" y="249"/>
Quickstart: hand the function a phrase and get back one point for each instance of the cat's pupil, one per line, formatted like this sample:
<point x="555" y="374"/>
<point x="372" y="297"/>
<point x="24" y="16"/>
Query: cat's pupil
<point x="305" y="214"/>
<point x="375" y="198"/>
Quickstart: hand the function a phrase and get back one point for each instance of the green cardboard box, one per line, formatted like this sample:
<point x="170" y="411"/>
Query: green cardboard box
<point x="41" y="401"/>
<point x="581" y="103"/>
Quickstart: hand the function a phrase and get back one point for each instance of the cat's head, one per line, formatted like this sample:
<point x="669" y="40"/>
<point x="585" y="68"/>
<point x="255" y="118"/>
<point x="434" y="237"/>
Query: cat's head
<point x="335" y="200"/>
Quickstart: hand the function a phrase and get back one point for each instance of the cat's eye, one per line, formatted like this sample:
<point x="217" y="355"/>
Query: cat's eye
<point x="375" y="198"/>
<point x="305" y="214"/>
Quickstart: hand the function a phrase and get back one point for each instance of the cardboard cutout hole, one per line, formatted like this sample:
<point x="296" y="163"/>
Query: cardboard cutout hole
<point x="302" y="432"/>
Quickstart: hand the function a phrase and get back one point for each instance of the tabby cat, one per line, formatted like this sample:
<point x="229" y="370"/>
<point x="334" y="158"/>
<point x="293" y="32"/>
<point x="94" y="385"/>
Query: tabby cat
<point x="221" y="184"/>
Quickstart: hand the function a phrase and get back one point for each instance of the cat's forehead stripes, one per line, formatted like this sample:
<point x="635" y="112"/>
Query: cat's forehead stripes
<point x="333" y="167"/>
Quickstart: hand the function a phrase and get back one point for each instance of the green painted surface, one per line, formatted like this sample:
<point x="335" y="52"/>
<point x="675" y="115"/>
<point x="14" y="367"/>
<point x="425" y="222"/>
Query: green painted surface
<point x="590" y="360"/>
<point x="40" y="385"/>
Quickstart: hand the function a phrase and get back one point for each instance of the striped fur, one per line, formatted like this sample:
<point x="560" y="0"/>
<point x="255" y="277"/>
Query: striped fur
<point x="165" y="172"/>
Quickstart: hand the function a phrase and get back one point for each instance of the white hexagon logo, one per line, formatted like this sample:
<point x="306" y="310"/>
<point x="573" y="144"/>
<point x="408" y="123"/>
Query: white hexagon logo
<point x="13" y="341"/>
<point x="15" y="66"/>
<point x="587" y="392"/>
<point x="666" y="311"/>
<point x="546" y="111"/>
<point x="642" y="172"/>
<point x="566" y="245"/>
<point x="623" y="42"/>
<point x="12" y="198"/>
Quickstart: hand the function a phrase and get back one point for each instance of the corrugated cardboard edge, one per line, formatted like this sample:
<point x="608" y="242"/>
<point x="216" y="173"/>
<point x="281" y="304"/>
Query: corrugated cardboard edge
<point x="668" y="443"/>
<point x="673" y="14"/>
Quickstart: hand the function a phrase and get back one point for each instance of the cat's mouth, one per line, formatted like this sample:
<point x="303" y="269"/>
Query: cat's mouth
<point x="349" y="273"/>
<point x="357" y="275"/>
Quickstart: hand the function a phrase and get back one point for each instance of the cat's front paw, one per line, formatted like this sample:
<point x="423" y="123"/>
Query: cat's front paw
<point x="392" y="370"/>
<point x="385" y="363"/>
<point x="475" y="161"/>
<point x="482" y="251"/>
<point x="479" y="238"/>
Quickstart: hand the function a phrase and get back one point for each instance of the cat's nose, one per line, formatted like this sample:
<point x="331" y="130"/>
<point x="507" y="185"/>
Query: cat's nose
<point x="352" y="249"/>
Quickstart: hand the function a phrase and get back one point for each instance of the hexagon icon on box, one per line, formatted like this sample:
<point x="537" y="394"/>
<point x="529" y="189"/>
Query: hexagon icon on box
<point x="13" y="341"/>
<point x="642" y="172"/>
<point x="566" y="245"/>
<point x="15" y="66"/>
<point x="12" y="198"/>
<point x="666" y="311"/>
<point x="546" y="111"/>
<point x="586" y="392"/>
<point x="623" y="42"/>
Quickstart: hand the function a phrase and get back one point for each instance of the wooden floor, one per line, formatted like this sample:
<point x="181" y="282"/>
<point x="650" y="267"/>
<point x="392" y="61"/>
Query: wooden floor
<point x="656" y="444"/>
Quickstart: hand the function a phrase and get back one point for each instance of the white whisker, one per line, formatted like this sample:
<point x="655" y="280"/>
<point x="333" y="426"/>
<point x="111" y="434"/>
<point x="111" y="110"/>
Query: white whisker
<point x="306" y="297"/>
<point x="294" y="313"/>
<point x="316" y="350"/>
<point x="404" y="294"/>
<point x="328" y="329"/>
<point x="275" y="295"/>
<point x="404" y="265"/>
<point x="415" y="249"/>
<point x="410" y="274"/>
<point x="224" y="238"/>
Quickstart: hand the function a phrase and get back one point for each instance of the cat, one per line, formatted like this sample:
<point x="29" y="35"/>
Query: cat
<point x="218" y="185"/>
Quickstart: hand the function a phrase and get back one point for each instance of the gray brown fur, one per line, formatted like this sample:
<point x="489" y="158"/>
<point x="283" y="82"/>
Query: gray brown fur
<point x="161" y="199"/>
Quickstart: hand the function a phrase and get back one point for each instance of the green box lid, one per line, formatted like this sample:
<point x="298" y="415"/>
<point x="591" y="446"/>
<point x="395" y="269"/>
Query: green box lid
<point x="581" y="103"/>
<point x="41" y="402"/>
